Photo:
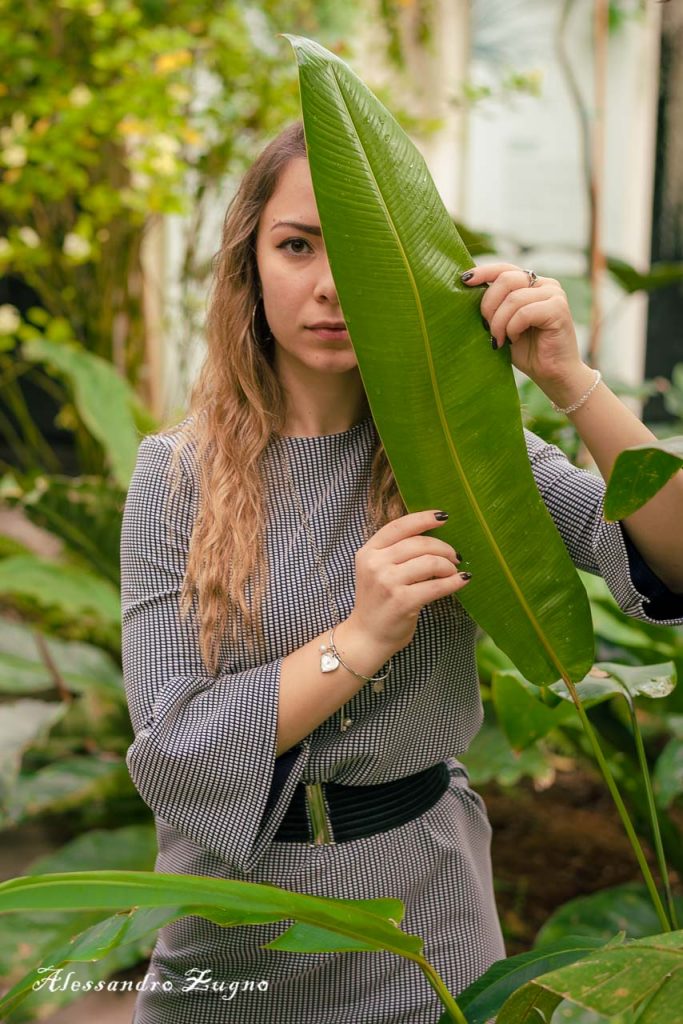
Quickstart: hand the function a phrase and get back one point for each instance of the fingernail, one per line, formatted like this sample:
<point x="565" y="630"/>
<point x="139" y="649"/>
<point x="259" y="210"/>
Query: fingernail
<point x="467" y="276"/>
<point x="465" y="575"/>
<point x="458" y="556"/>
<point x="486" y="324"/>
<point x="494" y="343"/>
<point x="441" y="516"/>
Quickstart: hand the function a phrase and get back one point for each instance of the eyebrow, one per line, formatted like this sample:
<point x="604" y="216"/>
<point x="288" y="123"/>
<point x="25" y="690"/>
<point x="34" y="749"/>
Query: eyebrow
<point x="309" y="229"/>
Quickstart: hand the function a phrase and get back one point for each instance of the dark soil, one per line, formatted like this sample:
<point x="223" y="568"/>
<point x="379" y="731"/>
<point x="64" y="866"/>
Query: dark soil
<point x="552" y="846"/>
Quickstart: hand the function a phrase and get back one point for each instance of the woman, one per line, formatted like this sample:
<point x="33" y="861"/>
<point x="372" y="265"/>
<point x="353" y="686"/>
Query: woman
<point x="364" y="677"/>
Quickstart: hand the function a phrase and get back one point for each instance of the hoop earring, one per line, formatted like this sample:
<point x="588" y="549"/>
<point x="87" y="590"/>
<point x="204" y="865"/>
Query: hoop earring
<point x="261" y="343"/>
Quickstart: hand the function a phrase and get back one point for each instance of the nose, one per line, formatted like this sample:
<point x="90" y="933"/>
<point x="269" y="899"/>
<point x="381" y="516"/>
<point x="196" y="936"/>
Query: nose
<point x="325" y="289"/>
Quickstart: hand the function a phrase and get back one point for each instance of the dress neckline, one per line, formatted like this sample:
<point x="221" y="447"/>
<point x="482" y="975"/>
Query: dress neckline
<point x="297" y="440"/>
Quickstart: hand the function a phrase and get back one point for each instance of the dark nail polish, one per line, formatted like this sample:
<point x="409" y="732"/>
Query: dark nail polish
<point x="458" y="556"/>
<point x="465" y="575"/>
<point x="494" y="343"/>
<point x="441" y="516"/>
<point x="486" y="324"/>
<point x="467" y="276"/>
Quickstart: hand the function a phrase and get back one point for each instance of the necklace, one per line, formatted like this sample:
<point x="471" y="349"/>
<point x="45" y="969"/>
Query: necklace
<point x="330" y="658"/>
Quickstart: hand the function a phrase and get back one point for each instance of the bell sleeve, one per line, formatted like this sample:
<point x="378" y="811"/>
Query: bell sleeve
<point x="203" y="756"/>
<point x="574" y="497"/>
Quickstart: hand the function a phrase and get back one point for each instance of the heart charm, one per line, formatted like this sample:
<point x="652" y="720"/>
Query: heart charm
<point x="328" y="662"/>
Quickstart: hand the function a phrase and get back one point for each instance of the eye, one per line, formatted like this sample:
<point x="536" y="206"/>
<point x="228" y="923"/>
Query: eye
<point x="299" y="246"/>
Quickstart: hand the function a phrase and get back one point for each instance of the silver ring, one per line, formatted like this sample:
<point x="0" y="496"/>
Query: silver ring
<point x="533" y="278"/>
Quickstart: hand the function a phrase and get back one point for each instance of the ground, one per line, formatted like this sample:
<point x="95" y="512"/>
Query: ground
<point x="552" y="846"/>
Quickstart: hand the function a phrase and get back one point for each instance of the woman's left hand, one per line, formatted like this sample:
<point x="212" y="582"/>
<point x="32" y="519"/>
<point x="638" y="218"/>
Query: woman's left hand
<point x="536" y="319"/>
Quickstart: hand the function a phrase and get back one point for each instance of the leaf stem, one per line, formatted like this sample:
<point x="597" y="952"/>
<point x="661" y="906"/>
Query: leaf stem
<point x="652" y="808"/>
<point x="437" y="983"/>
<point x="619" y="803"/>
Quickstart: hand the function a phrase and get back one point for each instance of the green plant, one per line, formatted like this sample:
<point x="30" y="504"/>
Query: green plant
<point x="383" y="220"/>
<point x="638" y="474"/>
<point x="109" y="933"/>
<point x="147" y="900"/>
<point x="115" y="115"/>
<point x="402" y="328"/>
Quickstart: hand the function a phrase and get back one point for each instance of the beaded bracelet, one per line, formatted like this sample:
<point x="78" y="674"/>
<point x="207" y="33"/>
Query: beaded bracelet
<point x="577" y="405"/>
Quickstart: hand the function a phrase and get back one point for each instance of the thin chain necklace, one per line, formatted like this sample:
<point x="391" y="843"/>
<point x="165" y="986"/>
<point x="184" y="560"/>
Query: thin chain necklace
<point x="328" y="660"/>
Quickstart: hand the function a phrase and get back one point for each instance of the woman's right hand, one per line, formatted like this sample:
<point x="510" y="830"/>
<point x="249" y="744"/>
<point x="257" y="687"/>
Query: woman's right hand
<point x="398" y="571"/>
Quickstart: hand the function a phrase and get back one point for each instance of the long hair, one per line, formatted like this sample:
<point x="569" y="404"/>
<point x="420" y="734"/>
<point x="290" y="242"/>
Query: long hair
<point x="236" y="404"/>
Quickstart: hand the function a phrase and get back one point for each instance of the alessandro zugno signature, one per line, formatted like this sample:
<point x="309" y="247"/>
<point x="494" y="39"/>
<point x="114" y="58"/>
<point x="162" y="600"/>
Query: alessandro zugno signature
<point x="196" y="979"/>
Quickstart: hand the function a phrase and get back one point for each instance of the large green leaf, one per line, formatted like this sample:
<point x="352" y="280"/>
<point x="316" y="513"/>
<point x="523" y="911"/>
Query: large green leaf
<point x="21" y="723"/>
<point x="445" y="405"/>
<point x="29" y="660"/>
<point x="105" y="401"/>
<point x="622" y="908"/>
<point x="522" y="716"/>
<point x="607" y="679"/>
<point x="645" y="975"/>
<point x="481" y="1000"/>
<point x="63" y="785"/>
<point x="375" y="922"/>
<point x="367" y="924"/>
<point x="638" y="473"/>
<point x="71" y="589"/>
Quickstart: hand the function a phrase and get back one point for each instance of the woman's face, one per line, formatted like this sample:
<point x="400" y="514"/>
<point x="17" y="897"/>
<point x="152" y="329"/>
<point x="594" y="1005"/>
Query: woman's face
<point x="299" y="296"/>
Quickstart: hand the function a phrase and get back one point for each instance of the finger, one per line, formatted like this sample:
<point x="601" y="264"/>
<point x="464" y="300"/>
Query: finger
<point x="511" y="304"/>
<point x="424" y="567"/>
<point x="432" y="590"/>
<point x="547" y="315"/>
<point x="506" y="282"/>
<point x="404" y="550"/>
<point x="405" y="526"/>
<point x="487" y="273"/>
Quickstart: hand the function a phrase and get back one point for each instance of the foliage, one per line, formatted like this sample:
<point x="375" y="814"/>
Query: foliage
<point x="131" y="848"/>
<point x="623" y="908"/>
<point x="643" y="976"/>
<point x="638" y="474"/>
<point x="115" y="114"/>
<point x="60" y="668"/>
<point x="74" y="745"/>
<point x="384" y="221"/>
<point x="510" y="988"/>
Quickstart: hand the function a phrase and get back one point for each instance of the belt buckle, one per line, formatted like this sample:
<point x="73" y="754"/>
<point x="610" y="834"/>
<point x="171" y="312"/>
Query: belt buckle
<point x="318" y="817"/>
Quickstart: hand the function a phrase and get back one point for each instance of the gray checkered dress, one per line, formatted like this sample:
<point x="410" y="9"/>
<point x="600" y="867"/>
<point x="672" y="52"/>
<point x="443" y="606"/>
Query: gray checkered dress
<point x="203" y="757"/>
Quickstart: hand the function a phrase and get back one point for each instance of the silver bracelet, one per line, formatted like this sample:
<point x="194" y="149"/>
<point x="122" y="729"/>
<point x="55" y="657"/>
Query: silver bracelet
<point x="331" y="659"/>
<point x="577" y="405"/>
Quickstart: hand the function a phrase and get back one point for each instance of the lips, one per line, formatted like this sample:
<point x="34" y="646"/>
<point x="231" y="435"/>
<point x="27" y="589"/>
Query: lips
<point x="330" y="330"/>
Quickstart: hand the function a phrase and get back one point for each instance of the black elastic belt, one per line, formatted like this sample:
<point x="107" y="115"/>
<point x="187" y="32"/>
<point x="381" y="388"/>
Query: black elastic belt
<point x="358" y="811"/>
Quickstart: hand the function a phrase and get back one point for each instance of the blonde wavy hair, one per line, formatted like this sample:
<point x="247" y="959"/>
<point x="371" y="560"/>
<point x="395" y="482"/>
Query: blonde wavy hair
<point x="236" y="405"/>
